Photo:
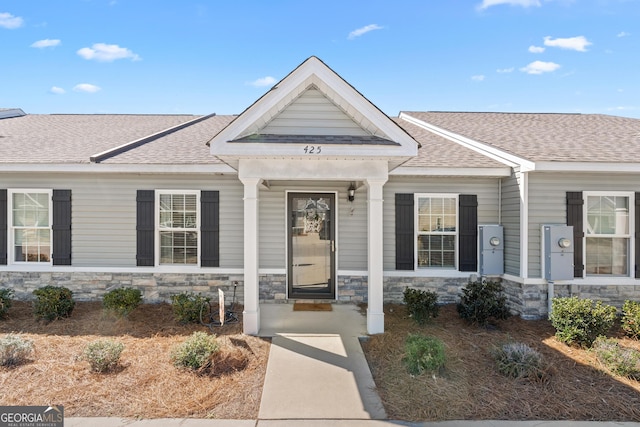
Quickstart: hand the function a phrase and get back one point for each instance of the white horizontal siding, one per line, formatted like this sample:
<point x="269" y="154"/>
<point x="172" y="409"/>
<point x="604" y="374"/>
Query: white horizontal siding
<point x="511" y="223"/>
<point x="547" y="201"/>
<point x="485" y="189"/>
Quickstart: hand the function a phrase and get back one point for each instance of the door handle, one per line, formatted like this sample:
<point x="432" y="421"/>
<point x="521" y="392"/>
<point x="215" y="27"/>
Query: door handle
<point x="333" y="246"/>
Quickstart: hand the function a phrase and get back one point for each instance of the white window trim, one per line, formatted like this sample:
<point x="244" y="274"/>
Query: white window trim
<point x="158" y="193"/>
<point x="630" y="195"/>
<point x="11" y="256"/>
<point x="416" y="219"/>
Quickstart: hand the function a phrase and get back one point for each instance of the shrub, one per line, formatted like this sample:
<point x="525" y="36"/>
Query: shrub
<point x="14" y="350"/>
<point x="518" y="360"/>
<point x="186" y="307"/>
<point x="102" y="355"/>
<point x="631" y="318"/>
<point x="618" y="359"/>
<point x="53" y="302"/>
<point x="481" y="301"/>
<point x="195" y="353"/>
<point x="5" y="301"/>
<point x="580" y="321"/>
<point x="421" y="305"/>
<point x="122" y="301"/>
<point x="423" y="354"/>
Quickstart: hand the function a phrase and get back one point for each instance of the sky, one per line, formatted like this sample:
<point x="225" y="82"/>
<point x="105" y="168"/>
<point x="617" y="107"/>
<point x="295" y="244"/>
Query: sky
<point x="210" y="56"/>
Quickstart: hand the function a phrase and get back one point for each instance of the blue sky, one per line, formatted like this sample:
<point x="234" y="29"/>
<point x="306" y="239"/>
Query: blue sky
<point x="200" y="57"/>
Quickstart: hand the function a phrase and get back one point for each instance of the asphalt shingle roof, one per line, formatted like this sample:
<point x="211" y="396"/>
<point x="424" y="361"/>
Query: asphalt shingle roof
<point x="547" y="137"/>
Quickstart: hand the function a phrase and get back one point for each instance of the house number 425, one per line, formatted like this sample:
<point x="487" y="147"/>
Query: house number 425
<point x="312" y="149"/>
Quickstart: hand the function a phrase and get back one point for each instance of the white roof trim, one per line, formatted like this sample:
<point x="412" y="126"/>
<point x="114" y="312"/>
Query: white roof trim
<point x="487" y="150"/>
<point x="117" y="168"/>
<point x="465" y="171"/>
<point x="588" y="167"/>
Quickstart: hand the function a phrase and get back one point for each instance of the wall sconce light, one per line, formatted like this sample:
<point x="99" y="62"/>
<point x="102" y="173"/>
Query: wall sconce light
<point x="351" y="192"/>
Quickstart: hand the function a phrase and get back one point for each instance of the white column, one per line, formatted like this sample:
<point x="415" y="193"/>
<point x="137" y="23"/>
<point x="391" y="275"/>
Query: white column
<point x="375" y="313"/>
<point x="251" y="313"/>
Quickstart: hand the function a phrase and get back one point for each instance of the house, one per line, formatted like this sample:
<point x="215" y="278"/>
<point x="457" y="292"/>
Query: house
<point x="313" y="193"/>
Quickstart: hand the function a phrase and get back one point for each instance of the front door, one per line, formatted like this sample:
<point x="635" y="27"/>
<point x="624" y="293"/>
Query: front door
<point x="311" y="227"/>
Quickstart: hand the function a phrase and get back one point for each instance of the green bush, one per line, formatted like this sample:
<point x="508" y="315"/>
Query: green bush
<point x="421" y="305"/>
<point x="195" y="353"/>
<point x="5" y="301"/>
<point x="618" y="359"/>
<point x="122" y="301"/>
<point x="102" y="355"/>
<point x="518" y="360"/>
<point x="580" y="321"/>
<point x="53" y="302"/>
<point x="423" y="354"/>
<point x="186" y="307"/>
<point x="14" y="350"/>
<point x="631" y="318"/>
<point x="482" y="301"/>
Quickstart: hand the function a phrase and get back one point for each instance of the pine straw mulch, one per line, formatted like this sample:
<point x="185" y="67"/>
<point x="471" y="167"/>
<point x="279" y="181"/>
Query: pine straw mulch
<point x="145" y="384"/>
<point x="575" y="385"/>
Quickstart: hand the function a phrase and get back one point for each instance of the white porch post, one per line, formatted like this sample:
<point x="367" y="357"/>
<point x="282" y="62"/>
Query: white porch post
<point x="375" y="313"/>
<point x="251" y="313"/>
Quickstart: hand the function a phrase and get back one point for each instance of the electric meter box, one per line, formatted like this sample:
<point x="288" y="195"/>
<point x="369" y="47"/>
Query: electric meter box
<point x="491" y="241"/>
<point x="557" y="252"/>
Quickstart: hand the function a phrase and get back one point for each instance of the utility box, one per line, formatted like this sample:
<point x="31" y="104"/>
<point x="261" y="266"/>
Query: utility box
<point x="491" y="240"/>
<point x="557" y="252"/>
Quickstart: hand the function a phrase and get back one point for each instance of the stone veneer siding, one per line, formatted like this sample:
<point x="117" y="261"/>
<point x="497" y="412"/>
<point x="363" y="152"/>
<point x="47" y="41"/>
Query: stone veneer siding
<point x="526" y="300"/>
<point x="614" y="295"/>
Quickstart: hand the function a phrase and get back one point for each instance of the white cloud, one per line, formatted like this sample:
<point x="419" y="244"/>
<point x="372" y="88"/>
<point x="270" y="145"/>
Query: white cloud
<point x="86" y="87"/>
<point x="504" y="70"/>
<point x="107" y="53"/>
<point x="539" y="67"/>
<point x="623" y="34"/>
<point x="46" y="43"/>
<point x="57" y="90"/>
<point x="477" y="78"/>
<point x="536" y="49"/>
<point x="9" y="21"/>
<point x="360" y="31"/>
<point x="262" y="82"/>
<point x="578" y="43"/>
<point x="524" y="3"/>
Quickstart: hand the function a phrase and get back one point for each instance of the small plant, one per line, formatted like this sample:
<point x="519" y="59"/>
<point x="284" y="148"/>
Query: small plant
<point x="482" y="301"/>
<point x="122" y="301"/>
<point x="186" y="307"/>
<point x="421" y="305"/>
<point x="620" y="360"/>
<point x="5" y="301"/>
<point x="53" y="302"/>
<point x="195" y="353"/>
<point x="423" y="354"/>
<point x="14" y="350"/>
<point x="518" y="360"/>
<point x="580" y="321"/>
<point x="103" y="355"/>
<point x="631" y="318"/>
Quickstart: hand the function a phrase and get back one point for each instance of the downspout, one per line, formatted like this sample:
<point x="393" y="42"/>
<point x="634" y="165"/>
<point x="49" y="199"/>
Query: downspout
<point x="524" y="225"/>
<point x="499" y="201"/>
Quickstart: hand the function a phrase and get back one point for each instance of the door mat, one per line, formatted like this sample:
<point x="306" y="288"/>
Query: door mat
<point x="311" y="306"/>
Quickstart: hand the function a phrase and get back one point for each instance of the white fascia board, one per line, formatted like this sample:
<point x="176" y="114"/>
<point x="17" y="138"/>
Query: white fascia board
<point x="428" y="171"/>
<point x="116" y="168"/>
<point x="487" y="150"/>
<point x="588" y="167"/>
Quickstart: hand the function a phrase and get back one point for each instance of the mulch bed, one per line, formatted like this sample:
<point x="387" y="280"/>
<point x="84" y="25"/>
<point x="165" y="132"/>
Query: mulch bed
<point x="575" y="386"/>
<point x="145" y="384"/>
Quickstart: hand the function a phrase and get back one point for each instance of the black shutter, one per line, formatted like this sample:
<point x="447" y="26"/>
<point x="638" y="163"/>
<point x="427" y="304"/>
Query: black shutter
<point x="468" y="233"/>
<point x="145" y="227"/>
<point x="636" y="236"/>
<point x="4" y="227"/>
<point x="61" y="227"/>
<point x="574" y="218"/>
<point x="405" y="234"/>
<point x="210" y="228"/>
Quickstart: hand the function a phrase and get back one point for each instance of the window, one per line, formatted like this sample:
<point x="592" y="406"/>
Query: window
<point x="178" y="227"/>
<point x="607" y="233"/>
<point x="31" y="226"/>
<point x="437" y="230"/>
